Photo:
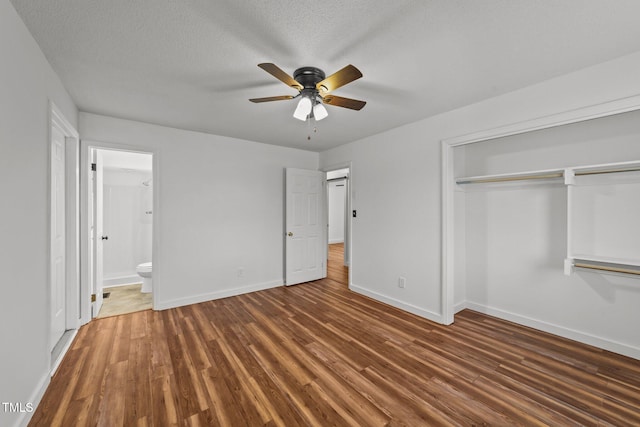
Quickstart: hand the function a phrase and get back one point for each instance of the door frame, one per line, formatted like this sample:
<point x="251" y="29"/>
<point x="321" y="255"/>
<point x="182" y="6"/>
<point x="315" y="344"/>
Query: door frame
<point x="348" y="234"/>
<point x="95" y="217"/>
<point x="86" y="146"/>
<point x="72" y="224"/>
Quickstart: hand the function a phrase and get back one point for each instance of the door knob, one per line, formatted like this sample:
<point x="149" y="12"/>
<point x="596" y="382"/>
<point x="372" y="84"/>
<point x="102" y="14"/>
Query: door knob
<point x="290" y="234"/>
<point x="105" y="237"/>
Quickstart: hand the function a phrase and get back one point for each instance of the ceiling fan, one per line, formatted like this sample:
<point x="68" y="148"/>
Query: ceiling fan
<point x="314" y="89"/>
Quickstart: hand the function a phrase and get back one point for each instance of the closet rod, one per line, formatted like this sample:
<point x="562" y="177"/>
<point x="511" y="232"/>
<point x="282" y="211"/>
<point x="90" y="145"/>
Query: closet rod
<point x="543" y="176"/>
<point x="605" y="268"/>
<point x="338" y="179"/>
<point x="512" y="178"/>
<point x="637" y="169"/>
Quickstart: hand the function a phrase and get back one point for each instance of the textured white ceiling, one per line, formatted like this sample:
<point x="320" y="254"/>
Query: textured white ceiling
<point x="191" y="64"/>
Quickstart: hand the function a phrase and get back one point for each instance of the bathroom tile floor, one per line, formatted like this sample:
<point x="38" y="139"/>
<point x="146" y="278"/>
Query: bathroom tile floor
<point x="125" y="299"/>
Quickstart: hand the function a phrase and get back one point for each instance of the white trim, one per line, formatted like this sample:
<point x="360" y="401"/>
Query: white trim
<point x="72" y="223"/>
<point x="85" y="280"/>
<point x="121" y="281"/>
<point x="35" y="398"/>
<point x="195" y="299"/>
<point x="72" y="230"/>
<point x="590" y="112"/>
<point x="334" y="241"/>
<point x="606" y="344"/>
<point x="609" y="108"/>
<point x="43" y="384"/>
<point x="429" y="315"/>
<point x="447" y="236"/>
<point x="457" y="308"/>
<point x="63" y="124"/>
<point x="63" y="352"/>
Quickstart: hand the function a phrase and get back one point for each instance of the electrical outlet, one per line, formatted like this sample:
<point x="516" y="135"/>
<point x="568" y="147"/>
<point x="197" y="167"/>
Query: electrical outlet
<point x="401" y="281"/>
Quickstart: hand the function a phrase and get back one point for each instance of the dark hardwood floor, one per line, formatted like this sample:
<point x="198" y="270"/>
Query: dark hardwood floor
<point x="336" y="269"/>
<point x="317" y="354"/>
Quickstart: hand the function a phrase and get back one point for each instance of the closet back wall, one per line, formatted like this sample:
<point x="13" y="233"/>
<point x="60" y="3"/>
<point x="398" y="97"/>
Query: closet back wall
<point x="516" y="236"/>
<point x="127" y="222"/>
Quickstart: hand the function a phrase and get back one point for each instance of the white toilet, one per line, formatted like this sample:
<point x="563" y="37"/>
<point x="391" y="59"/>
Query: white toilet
<point x="144" y="271"/>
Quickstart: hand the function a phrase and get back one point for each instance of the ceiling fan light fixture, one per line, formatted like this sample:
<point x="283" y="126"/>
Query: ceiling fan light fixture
<point x="319" y="112"/>
<point x="303" y="109"/>
<point x="314" y="90"/>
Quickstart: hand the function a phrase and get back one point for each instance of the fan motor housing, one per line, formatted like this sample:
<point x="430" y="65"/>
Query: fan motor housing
<point x="309" y="77"/>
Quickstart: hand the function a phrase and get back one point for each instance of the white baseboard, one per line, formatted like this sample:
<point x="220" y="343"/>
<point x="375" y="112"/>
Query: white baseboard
<point x="25" y="417"/>
<point x="195" y="299"/>
<point x="67" y="345"/>
<point x="430" y="315"/>
<point x="121" y="281"/>
<point x="334" y="241"/>
<point x="459" y="307"/>
<point x="603" y="343"/>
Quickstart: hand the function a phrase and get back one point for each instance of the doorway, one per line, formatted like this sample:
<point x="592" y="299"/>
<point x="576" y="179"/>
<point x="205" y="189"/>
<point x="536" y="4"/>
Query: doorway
<point x="117" y="228"/>
<point x="122" y="206"/>
<point x="338" y="224"/>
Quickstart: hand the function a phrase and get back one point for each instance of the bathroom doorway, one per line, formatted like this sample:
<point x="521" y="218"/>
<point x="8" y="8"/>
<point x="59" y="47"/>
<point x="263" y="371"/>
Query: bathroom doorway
<point x="120" y="231"/>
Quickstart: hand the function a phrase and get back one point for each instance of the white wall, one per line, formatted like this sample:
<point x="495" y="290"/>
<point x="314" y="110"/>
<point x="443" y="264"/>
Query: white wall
<point x="218" y="208"/>
<point x="128" y="213"/>
<point x="27" y="84"/>
<point x="336" y="200"/>
<point x="395" y="189"/>
<point x="396" y="178"/>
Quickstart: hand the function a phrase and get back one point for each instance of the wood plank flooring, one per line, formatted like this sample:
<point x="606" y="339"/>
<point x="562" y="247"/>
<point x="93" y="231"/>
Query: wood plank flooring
<point x="319" y="355"/>
<point x="336" y="269"/>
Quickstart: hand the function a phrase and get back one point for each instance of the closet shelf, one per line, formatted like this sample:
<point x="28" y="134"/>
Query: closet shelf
<point x="604" y="168"/>
<point x="519" y="176"/>
<point x="633" y="166"/>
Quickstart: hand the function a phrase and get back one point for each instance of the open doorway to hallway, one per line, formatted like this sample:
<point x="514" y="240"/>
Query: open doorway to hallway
<point x="338" y="225"/>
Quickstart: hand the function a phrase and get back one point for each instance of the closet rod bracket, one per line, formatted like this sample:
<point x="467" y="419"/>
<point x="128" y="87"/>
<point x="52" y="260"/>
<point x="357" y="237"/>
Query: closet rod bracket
<point x="569" y="177"/>
<point x="568" y="266"/>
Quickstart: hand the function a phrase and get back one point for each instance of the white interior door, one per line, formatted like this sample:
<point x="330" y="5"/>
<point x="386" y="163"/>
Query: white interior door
<point x="305" y="240"/>
<point x="97" y="232"/>
<point x="58" y="241"/>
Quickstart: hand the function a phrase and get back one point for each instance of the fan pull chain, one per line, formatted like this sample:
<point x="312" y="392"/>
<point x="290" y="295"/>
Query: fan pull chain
<point x="315" y="129"/>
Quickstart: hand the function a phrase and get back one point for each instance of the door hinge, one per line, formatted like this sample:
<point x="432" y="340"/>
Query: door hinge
<point x="93" y="297"/>
<point x="93" y="167"/>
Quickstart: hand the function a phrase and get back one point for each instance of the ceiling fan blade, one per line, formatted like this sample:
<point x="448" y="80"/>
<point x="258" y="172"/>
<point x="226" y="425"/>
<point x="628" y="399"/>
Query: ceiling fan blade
<point x="339" y="101"/>
<point x="272" y="98"/>
<point x="339" y="79"/>
<point x="276" y="72"/>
